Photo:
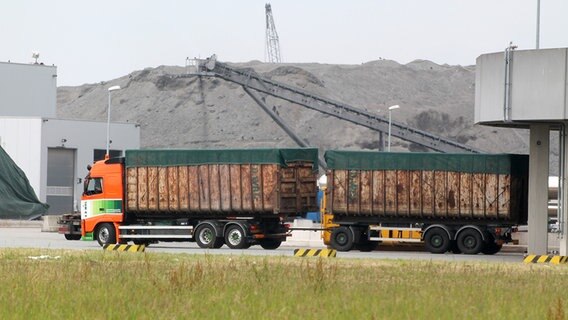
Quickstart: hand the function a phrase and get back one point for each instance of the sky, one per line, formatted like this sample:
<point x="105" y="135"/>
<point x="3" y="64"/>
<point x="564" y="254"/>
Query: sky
<point x="93" y="41"/>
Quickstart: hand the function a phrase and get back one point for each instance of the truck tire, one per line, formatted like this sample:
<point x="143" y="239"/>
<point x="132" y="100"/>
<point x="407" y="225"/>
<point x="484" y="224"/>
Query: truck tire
<point x="367" y="246"/>
<point x="73" y="236"/>
<point x="206" y="237"/>
<point x="270" y="244"/>
<point x="437" y="240"/>
<point x="105" y="234"/>
<point x="491" y="247"/>
<point x="342" y="239"/>
<point x="454" y="247"/>
<point x="235" y="238"/>
<point x="470" y="241"/>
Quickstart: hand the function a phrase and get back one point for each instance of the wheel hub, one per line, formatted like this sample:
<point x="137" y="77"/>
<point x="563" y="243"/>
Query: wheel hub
<point x="469" y="242"/>
<point x="341" y="239"/>
<point x="104" y="235"/>
<point x="437" y="241"/>
<point x="206" y="236"/>
<point x="234" y="237"/>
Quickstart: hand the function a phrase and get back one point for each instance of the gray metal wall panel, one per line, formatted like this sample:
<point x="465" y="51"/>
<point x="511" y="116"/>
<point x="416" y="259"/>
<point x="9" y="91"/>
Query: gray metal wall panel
<point x="27" y="90"/>
<point x="538" y="86"/>
<point x="490" y="87"/>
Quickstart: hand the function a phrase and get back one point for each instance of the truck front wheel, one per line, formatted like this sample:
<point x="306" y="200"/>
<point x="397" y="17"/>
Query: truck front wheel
<point x="106" y="234"/>
<point x="342" y="239"/>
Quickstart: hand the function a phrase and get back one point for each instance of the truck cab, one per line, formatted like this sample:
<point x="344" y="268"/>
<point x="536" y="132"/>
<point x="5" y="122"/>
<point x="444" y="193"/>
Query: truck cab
<point x="102" y="200"/>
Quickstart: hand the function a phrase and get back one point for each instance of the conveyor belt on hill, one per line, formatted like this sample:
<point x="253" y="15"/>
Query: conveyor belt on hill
<point x="250" y="79"/>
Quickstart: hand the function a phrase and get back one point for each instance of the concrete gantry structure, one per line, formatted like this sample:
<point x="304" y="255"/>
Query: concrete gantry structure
<point x="528" y="89"/>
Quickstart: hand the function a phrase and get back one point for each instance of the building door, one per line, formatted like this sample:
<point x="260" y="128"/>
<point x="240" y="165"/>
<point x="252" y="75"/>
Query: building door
<point x="60" y="180"/>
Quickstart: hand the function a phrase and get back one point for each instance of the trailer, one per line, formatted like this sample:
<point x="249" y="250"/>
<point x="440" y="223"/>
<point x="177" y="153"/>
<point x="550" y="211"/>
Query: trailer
<point x="463" y="203"/>
<point x="237" y="197"/>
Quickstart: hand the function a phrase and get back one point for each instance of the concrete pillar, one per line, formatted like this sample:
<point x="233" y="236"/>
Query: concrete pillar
<point x="538" y="189"/>
<point x="563" y="239"/>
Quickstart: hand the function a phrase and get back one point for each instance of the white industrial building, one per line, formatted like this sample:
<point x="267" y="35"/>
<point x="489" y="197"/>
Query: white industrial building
<point x="54" y="153"/>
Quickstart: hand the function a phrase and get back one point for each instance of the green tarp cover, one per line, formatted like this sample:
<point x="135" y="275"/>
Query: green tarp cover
<point x="177" y="157"/>
<point x="470" y="163"/>
<point x="17" y="198"/>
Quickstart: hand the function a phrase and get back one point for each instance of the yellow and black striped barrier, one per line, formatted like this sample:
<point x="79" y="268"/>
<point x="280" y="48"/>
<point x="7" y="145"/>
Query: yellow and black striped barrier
<point x="531" y="258"/>
<point x="125" y="247"/>
<point x="315" y="253"/>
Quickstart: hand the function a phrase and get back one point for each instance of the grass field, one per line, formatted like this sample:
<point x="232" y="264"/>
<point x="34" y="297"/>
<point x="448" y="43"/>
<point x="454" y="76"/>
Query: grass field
<point x="56" y="284"/>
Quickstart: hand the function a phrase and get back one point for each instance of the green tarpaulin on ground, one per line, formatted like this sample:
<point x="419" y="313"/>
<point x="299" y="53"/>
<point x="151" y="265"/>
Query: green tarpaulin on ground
<point x="462" y="162"/>
<point x="17" y="198"/>
<point x="178" y="157"/>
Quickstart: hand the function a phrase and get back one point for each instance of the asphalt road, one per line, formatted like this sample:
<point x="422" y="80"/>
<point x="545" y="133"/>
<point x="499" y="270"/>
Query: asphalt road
<point x="34" y="238"/>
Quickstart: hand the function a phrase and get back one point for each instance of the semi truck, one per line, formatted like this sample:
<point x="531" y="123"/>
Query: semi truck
<point x="227" y="197"/>
<point x="463" y="203"/>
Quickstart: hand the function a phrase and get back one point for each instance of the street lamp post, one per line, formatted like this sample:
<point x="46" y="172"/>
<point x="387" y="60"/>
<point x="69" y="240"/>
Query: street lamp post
<point x="110" y="90"/>
<point x="390" y="124"/>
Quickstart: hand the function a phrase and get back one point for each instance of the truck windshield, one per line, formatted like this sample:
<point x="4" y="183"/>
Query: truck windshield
<point x="93" y="186"/>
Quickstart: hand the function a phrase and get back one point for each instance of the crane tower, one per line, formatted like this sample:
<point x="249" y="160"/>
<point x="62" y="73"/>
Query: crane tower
<point x="272" y="54"/>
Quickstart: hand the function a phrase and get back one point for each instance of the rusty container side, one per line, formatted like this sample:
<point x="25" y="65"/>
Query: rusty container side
<point x="298" y="188"/>
<point x="390" y="192"/>
<point x="204" y="187"/>
<point x="453" y="194"/>
<point x="440" y="207"/>
<point x="415" y="193"/>
<point x="183" y="188"/>
<point x="414" y="187"/>
<point x="235" y="186"/>
<point x="225" y="187"/>
<point x="436" y="195"/>
<point x="366" y="192"/>
<point x="269" y="186"/>
<point x="193" y="183"/>
<point x="427" y="188"/>
<point x="466" y="195"/>
<point x="152" y="188"/>
<point x="353" y="192"/>
<point x="131" y="189"/>
<point x="378" y="201"/>
<point x="338" y="191"/>
<point x="307" y="182"/>
<point x="142" y="188"/>
<point x="246" y="189"/>
<point x="403" y="192"/>
<point x="504" y="196"/>
<point x="478" y="195"/>
<point x="491" y="195"/>
<point x="229" y="188"/>
<point x="215" y="188"/>
<point x="173" y="188"/>
<point x="256" y="187"/>
<point x="163" y="204"/>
